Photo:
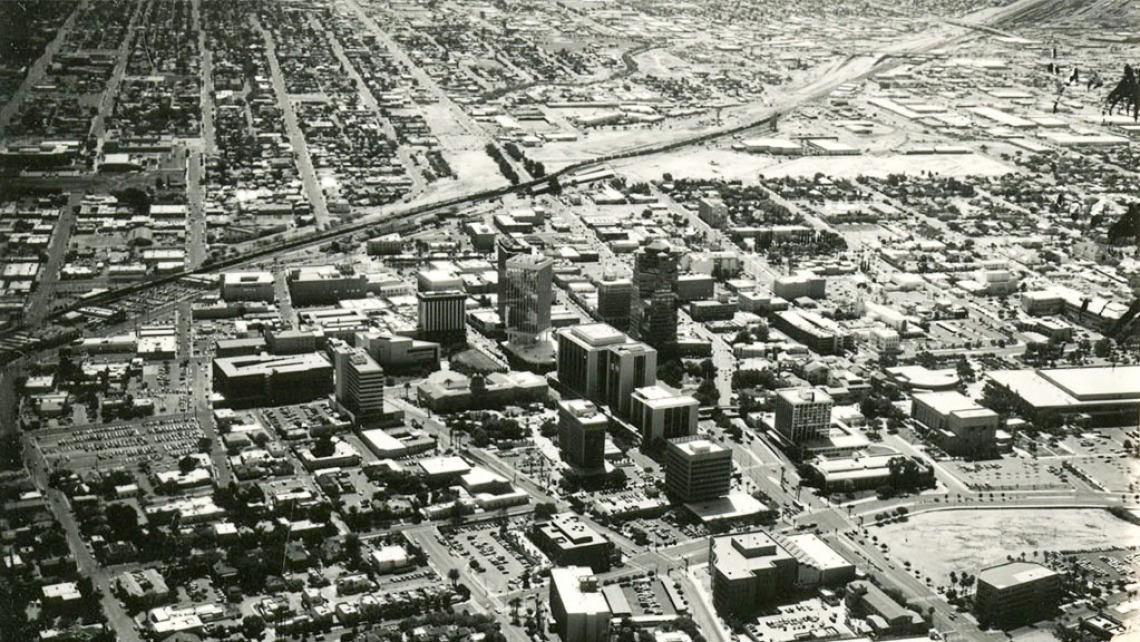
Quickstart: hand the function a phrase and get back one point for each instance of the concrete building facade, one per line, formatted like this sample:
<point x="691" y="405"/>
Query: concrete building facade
<point x="697" y="470"/>
<point x="582" y="434"/>
<point x="748" y="571"/>
<point x="442" y="314"/>
<point x="1017" y="593"/>
<point x="580" y="610"/>
<point x="802" y="414"/>
<point x="658" y="413"/>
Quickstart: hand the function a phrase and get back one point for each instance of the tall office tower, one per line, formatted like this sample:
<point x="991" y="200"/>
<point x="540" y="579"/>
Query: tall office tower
<point x="525" y="295"/>
<point x="653" y="315"/>
<point x="615" y="297"/>
<point x="442" y="315"/>
<point x="697" y="470"/>
<point x="582" y="434"/>
<point x="359" y="382"/>
<point x="629" y="366"/>
<point x="604" y="365"/>
<point x="802" y="414"/>
<point x="580" y="364"/>
<point x="506" y="248"/>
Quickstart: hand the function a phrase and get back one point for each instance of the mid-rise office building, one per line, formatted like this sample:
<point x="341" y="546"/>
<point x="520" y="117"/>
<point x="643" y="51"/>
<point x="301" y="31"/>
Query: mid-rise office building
<point x="525" y="296"/>
<point x="568" y="541"/>
<point x="802" y="414"/>
<point x="615" y="299"/>
<point x="886" y="340"/>
<point x="604" y="365"/>
<point x="795" y="286"/>
<point x="285" y="342"/>
<point x="359" y="382"/>
<point x="653" y="315"/>
<point x="820" y="334"/>
<point x="697" y="470"/>
<point x="658" y="413"/>
<point x="271" y="379"/>
<point x="712" y="211"/>
<point x="580" y="610"/>
<point x="442" y="314"/>
<point x="629" y="366"/>
<point x="695" y="287"/>
<point x="313" y="285"/>
<point x="395" y="352"/>
<point x="956" y="423"/>
<point x="582" y="434"/>
<point x="749" y="570"/>
<point x="1017" y="593"/>
<point x="247" y="286"/>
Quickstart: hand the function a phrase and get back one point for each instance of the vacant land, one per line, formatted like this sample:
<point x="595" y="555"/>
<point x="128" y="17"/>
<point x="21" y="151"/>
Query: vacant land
<point x="882" y="166"/>
<point x="941" y="542"/>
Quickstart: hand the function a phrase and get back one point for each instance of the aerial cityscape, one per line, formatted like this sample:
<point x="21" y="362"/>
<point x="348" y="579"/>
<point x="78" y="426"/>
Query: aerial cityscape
<point x="569" y="320"/>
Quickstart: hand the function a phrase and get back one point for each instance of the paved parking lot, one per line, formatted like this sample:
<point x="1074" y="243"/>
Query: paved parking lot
<point x="1011" y="474"/>
<point x="501" y="556"/>
<point x="160" y="442"/>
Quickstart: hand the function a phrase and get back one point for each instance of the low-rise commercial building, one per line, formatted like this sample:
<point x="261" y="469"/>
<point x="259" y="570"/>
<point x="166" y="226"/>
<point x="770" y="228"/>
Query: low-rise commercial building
<point x="568" y="541"/>
<point x="956" y="423"/>
<point x="1108" y="396"/>
<point x="886" y="616"/>
<point x="817" y="563"/>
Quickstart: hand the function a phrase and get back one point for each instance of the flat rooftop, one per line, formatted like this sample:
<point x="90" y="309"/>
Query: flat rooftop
<point x="1089" y="384"/>
<point x="579" y="591"/>
<point x="659" y="397"/>
<point x="1072" y="387"/>
<point x="567" y="531"/>
<point x="739" y="556"/>
<point x="804" y="395"/>
<point x="947" y="401"/>
<point x="821" y="555"/>
<point x="598" y="334"/>
<point x="698" y="447"/>
<point x="1014" y="573"/>
<point x="265" y="364"/>
<point x="735" y="505"/>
